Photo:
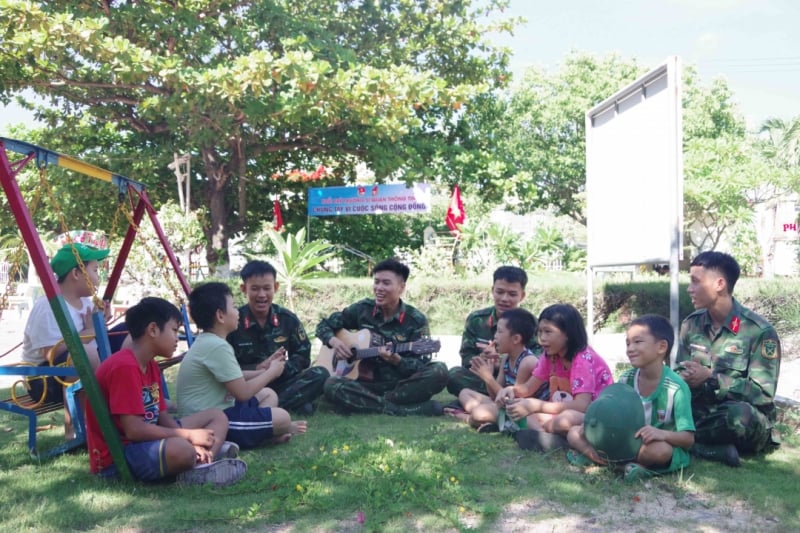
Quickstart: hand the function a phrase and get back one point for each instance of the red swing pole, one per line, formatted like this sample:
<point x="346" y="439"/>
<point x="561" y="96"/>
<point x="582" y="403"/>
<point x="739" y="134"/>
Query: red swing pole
<point x="58" y="304"/>
<point x="125" y="249"/>
<point x="176" y="267"/>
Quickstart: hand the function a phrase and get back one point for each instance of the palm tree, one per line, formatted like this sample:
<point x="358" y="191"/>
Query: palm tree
<point x="784" y="141"/>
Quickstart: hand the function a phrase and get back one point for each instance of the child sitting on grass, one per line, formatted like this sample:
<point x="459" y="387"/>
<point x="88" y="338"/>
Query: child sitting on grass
<point x="514" y="331"/>
<point x="575" y="372"/>
<point x="668" y="430"/>
<point x="157" y="446"/>
<point x="210" y="376"/>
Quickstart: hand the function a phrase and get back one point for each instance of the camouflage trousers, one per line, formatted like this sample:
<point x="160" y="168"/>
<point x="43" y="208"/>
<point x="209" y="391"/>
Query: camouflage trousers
<point x="737" y="423"/>
<point x="301" y="389"/>
<point x="460" y="378"/>
<point x="390" y="397"/>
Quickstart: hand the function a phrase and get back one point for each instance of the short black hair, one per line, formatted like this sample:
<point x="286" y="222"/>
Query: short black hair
<point x="148" y="310"/>
<point x="570" y="322"/>
<point x="205" y="300"/>
<point x="721" y="262"/>
<point x="520" y="322"/>
<point x="257" y="268"/>
<point x="660" y="328"/>
<point x="511" y="274"/>
<point x="393" y="265"/>
<point x="63" y="277"/>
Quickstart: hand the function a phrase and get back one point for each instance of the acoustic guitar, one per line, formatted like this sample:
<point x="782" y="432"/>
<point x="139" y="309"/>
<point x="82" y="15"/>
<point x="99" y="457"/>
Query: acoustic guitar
<point x="364" y="344"/>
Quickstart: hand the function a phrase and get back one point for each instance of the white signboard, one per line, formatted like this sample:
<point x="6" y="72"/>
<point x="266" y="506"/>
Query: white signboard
<point x="634" y="172"/>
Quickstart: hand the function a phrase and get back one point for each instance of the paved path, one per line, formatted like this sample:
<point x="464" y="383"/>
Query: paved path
<point x="611" y="347"/>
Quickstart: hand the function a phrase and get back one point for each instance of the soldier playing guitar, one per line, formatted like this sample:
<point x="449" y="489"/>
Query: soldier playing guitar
<point x="400" y="379"/>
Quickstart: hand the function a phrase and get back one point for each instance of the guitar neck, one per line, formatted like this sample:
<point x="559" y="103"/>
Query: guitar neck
<point x="368" y="353"/>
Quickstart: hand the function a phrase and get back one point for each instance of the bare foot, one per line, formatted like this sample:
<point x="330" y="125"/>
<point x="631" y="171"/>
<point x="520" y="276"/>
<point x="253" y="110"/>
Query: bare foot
<point x="298" y="428"/>
<point x="459" y="414"/>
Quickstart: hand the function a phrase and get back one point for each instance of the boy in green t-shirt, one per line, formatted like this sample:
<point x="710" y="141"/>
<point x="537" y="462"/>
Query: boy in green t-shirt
<point x="668" y="430"/>
<point x="210" y="376"/>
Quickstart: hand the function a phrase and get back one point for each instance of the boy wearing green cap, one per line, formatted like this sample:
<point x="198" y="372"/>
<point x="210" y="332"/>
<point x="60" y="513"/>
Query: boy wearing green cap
<point x="668" y="429"/>
<point x="41" y="330"/>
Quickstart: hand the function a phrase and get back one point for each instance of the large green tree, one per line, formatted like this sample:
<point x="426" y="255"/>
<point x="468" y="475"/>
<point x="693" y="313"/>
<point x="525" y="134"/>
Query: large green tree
<point x="254" y="89"/>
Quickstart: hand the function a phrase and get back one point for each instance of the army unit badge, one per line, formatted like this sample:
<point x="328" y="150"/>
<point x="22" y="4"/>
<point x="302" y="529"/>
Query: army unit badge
<point x="769" y="349"/>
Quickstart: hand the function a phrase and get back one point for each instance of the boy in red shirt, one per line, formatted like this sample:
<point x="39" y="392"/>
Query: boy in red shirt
<point x="157" y="446"/>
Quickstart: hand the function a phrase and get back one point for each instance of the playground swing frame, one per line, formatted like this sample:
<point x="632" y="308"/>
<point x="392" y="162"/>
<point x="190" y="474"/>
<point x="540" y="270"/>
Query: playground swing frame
<point x="127" y="188"/>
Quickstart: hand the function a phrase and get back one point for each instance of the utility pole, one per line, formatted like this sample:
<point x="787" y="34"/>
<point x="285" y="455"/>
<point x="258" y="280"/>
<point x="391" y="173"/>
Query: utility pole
<point x="181" y="166"/>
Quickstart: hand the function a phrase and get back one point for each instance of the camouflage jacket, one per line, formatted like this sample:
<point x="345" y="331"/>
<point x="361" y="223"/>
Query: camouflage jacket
<point x="253" y="344"/>
<point x="744" y="355"/>
<point x="481" y="326"/>
<point x="408" y="324"/>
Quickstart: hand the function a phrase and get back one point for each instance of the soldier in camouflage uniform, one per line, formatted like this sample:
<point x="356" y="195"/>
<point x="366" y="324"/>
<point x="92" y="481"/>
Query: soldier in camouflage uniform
<point x="508" y="290"/>
<point x="730" y="357"/>
<point x="269" y="332"/>
<point x="394" y="383"/>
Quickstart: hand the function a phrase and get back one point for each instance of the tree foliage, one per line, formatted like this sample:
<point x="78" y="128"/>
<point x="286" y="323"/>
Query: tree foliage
<point x="726" y="173"/>
<point x="542" y="135"/>
<point x="539" y="146"/>
<point x="253" y="89"/>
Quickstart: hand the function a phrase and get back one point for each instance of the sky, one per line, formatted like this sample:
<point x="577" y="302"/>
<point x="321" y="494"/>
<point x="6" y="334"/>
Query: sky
<point x="753" y="44"/>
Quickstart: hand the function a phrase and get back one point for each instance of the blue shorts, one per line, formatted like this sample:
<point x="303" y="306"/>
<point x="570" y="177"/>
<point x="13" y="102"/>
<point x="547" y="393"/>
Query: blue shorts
<point x="248" y="424"/>
<point x="147" y="461"/>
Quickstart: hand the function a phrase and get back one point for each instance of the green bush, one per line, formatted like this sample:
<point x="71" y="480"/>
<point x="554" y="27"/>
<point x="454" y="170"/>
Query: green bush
<point x="446" y="303"/>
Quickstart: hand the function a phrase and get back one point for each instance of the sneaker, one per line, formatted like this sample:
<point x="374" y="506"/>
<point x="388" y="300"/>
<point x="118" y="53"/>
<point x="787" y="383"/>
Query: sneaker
<point x="432" y="408"/>
<point x="721" y="453"/>
<point x="455" y="404"/>
<point x="506" y="423"/>
<point x="307" y="409"/>
<point x="229" y="450"/>
<point x="636" y="472"/>
<point x="578" y="459"/>
<point x="219" y="473"/>
<point x="541" y="441"/>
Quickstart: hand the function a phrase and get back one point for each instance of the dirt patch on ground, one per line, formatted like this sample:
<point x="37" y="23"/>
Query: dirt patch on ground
<point x="649" y="510"/>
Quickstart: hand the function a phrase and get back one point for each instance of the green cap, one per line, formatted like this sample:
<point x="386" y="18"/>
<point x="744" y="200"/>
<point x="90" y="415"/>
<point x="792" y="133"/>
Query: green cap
<point x="64" y="260"/>
<point x="611" y="422"/>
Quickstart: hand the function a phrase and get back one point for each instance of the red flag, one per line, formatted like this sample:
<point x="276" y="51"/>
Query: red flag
<point x="277" y="220"/>
<point x="455" y="212"/>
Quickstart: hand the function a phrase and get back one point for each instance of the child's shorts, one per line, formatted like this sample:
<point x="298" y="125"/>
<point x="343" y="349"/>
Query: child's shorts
<point x="680" y="459"/>
<point x="47" y="386"/>
<point x="248" y="424"/>
<point x="147" y="461"/>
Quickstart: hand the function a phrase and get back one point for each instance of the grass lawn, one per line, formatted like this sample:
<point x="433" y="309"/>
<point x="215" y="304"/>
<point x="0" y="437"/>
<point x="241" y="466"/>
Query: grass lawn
<point x="398" y="474"/>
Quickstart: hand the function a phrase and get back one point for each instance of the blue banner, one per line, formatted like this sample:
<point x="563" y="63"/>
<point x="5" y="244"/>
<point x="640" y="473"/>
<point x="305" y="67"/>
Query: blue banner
<point x="396" y="198"/>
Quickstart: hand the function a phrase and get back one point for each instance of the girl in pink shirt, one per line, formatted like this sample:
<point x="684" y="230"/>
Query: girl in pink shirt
<point x="574" y="372"/>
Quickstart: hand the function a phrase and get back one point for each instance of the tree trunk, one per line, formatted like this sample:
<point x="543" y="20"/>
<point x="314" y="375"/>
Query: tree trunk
<point x="217" y="231"/>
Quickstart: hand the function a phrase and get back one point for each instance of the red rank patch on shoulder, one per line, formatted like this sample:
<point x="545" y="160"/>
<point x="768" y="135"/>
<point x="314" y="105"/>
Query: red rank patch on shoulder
<point x="735" y="323"/>
<point x="246" y="322"/>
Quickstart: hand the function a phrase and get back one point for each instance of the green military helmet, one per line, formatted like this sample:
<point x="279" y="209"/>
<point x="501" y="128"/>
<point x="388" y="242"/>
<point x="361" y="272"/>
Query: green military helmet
<point x="611" y="422"/>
